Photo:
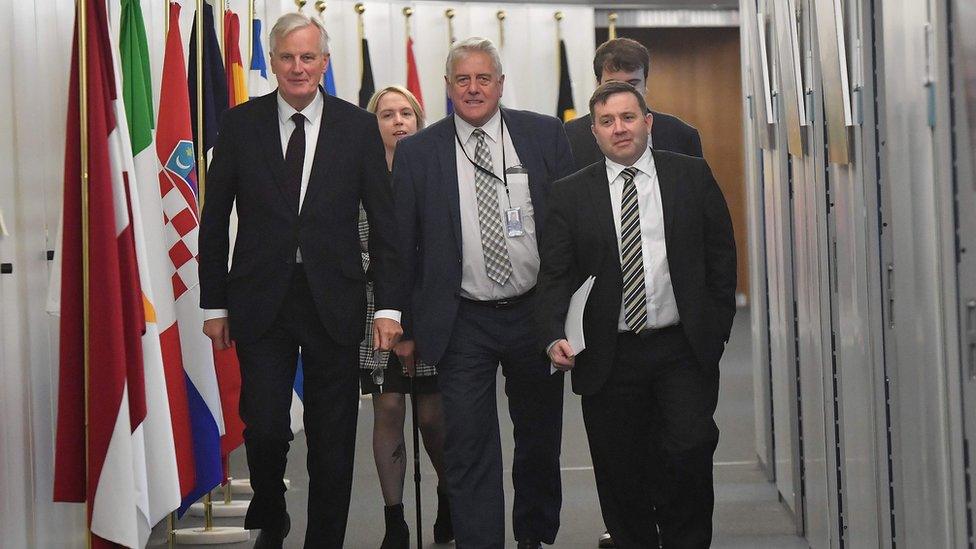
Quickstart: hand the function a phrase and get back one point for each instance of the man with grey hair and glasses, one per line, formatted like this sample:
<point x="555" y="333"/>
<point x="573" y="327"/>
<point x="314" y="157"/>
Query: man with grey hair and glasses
<point x="471" y="194"/>
<point x="298" y="163"/>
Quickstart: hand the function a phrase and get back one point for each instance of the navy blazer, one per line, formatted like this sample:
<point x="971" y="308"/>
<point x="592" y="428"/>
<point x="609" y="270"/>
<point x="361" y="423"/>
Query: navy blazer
<point x="248" y="167"/>
<point x="428" y="208"/>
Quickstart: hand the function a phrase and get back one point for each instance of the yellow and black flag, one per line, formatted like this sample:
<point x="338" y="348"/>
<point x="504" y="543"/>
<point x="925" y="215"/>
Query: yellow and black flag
<point x="565" y="108"/>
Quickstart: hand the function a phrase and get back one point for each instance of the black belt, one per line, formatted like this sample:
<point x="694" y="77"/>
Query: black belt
<point x="648" y="332"/>
<point x="506" y="303"/>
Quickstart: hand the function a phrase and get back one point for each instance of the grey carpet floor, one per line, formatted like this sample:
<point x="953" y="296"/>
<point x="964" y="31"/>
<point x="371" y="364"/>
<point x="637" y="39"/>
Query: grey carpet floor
<point x="748" y="513"/>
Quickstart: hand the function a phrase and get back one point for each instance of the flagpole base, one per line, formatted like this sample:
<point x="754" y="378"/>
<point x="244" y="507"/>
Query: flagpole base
<point x="222" y="509"/>
<point x="213" y="536"/>
<point x="242" y="486"/>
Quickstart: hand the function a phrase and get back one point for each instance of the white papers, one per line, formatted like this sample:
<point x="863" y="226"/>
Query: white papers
<point x="574" y="319"/>
<point x="574" y="316"/>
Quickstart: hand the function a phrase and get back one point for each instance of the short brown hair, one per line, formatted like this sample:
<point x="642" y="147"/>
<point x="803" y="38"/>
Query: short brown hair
<point x="604" y="91"/>
<point x="621" y="54"/>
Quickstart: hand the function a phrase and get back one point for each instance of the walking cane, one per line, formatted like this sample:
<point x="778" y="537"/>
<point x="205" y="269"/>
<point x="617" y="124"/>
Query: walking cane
<point x="416" y="461"/>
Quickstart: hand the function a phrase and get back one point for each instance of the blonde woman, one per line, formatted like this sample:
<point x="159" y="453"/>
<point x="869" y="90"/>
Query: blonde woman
<point x="399" y="115"/>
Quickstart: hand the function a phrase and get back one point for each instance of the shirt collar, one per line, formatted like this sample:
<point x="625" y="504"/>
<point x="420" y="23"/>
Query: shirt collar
<point x="644" y="164"/>
<point x="312" y="112"/>
<point x="492" y="128"/>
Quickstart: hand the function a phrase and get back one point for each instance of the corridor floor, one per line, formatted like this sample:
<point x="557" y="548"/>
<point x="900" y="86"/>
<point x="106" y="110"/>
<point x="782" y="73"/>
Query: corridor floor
<point x="748" y="513"/>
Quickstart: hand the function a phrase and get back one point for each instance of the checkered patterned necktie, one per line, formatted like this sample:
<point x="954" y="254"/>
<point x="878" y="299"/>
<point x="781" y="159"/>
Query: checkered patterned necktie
<point x="497" y="263"/>
<point x="631" y="258"/>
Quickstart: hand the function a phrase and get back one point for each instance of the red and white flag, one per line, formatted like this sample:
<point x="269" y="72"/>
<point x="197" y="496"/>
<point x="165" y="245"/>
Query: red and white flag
<point x="115" y="322"/>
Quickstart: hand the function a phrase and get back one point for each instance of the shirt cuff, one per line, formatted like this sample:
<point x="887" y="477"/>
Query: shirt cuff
<point x="210" y="314"/>
<point x="387" y="313"/>
<point x="551" y="345"/>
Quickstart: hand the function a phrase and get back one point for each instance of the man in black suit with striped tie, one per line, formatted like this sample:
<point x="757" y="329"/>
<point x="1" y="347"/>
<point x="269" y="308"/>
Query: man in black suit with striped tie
<point x="653" y="228"/>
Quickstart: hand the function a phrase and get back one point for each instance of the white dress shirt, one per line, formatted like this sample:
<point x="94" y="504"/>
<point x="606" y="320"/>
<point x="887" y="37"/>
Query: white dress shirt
<point x="522" y="250"/>
<point x="662" y="310"/>
<point x="313" y="122"/>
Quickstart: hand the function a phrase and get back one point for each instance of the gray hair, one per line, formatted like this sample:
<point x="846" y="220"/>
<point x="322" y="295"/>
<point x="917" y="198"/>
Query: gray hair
<point x="461" y="49"/>
<point x="292" y="21"/>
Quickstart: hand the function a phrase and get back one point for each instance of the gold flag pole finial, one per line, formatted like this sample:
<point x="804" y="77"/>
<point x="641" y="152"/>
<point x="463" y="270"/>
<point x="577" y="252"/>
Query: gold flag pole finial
<point x="612" y="25"/>
<point x="558" y="16"/>
<point x="320" y="6"/>
<point x="300" y="4"/>
<point x="407" y="12"/>
<point x="500" y="15"/>
<point x="449" y="13"/>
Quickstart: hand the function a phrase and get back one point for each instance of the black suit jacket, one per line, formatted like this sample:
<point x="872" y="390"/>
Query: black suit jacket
<point x="581" y="241"/>
<point x="429" y="216"/>
<point x="668" y="133"/>
<point x="248" y="166"/>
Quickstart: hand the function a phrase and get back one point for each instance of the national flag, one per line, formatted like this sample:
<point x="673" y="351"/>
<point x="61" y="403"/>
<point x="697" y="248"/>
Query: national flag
<point x="214" y="81"/>
<point x="236" y="78"/>
<point x="413" y="79"/>
<point x="328" y="80"/>
<point x="95" y="464"/>
<point x="257" y="81"/>
<point x="366" y="86"/>
<point x="214" y="104"/>
<point x="297" y="411"/>
<point x="153" y="446"/>
<point x="194" y="394"/>
<point x="565" y="108"/>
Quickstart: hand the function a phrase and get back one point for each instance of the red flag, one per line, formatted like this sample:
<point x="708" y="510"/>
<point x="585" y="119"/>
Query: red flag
<point x="236" y="77"/>
<point x="116" y="397"/>
<point x="413" y="79"/>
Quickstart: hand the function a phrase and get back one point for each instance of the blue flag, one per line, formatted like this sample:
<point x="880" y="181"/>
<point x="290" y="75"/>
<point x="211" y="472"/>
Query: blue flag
<point x="257" y="77"/>
<point x="328" y="81"/>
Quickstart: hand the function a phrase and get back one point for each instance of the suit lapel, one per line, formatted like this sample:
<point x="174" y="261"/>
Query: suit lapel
<point x="601" y="211"/>
<point x="330" y="128"/>
<point x="271" y="142"/>
<point x="667" y="181"/>
<point x="447" y="154"/>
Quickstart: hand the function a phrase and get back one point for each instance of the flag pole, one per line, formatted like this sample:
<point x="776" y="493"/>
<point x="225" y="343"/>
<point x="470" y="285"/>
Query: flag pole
<point x="299" y="4"/>
<point x="320" y="6"/>
<point x="407" y="12"/>
<point x="361" y="29"/>
<point x="250" y="34"/>
<point x="201" y="154"/>
<point x="85" y="244"/>
<point x="221" y="8"/>
<point x="449" y="13"/>
<point x="558" y="16"/>
<point x="82" y="25"/>
<point x="612" y="25"/>
<point x="500" y="15"/>
<point x="171" y="518"/>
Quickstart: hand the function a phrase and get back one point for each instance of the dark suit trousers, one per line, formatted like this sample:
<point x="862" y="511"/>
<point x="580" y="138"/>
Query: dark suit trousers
<point x="483" y="337"/>
<point x="656" y="390"/>
<point x="331" y="406"/>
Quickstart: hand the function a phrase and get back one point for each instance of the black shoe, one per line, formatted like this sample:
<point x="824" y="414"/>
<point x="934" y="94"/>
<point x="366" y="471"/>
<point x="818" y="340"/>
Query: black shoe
<point x="606" y="541"/>
<point x="397" y="534"/>
<point x="443" y="527"/>
<point x="273" y="538"/>
<point x="529" y="544"/>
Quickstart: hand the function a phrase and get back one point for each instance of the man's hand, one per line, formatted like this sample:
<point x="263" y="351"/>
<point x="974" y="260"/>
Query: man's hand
<point x="218" y="330"/>
<point x="405" y="352"/>
<point x="561" y="355"/>
<point x="386" y="333"/>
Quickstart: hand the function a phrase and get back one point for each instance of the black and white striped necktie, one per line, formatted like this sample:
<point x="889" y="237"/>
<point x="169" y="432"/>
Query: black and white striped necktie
<point x="631" y="258"/>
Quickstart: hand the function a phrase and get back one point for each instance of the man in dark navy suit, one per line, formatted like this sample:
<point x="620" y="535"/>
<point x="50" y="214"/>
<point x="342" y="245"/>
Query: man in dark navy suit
<point x="471" y="193"/>
<point x="298" y="162"/>
<point x="626" y="60"/>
